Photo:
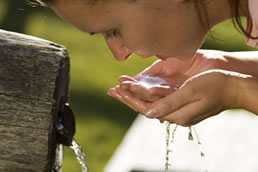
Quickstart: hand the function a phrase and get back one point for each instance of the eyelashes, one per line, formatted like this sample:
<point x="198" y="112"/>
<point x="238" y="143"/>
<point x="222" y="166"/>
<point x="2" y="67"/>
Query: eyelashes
<point x="109" y="34"/>
<point x="112" y="34"/>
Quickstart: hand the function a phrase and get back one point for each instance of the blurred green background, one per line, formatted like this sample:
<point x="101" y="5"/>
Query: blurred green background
<point x="101" y="121"/>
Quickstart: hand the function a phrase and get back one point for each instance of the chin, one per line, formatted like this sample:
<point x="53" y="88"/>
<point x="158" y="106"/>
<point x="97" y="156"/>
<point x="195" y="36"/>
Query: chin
<point x="180" y="57"/>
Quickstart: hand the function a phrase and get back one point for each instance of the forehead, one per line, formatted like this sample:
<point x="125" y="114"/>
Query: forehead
<point x="84" y="14"/>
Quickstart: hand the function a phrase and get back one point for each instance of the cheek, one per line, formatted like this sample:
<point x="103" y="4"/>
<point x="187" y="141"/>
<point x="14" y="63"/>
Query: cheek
<point x="141" y="39"/>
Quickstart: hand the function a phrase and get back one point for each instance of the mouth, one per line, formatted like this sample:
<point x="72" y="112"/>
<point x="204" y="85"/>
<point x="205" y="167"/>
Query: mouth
<point x="127" y="56"/>
<point x="161" y="57"/>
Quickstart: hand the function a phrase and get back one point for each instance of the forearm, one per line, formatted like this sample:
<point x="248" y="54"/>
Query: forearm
<point x="243" y="62"/>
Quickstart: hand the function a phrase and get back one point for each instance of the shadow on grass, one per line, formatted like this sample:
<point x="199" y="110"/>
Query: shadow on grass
<point x="104" y="106"/>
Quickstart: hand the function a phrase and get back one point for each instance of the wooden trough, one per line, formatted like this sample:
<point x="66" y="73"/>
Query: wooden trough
<point x="34" y="78"/>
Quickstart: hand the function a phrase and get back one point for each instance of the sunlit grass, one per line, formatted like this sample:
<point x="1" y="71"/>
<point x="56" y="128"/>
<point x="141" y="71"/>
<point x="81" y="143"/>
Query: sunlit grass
<point x="225" y="37"/>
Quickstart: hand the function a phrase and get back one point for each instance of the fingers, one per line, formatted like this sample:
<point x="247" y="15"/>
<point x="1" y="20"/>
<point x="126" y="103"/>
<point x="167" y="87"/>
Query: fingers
<point x="112" y="92"/>
<point x="124" y="78"/>
<point x="146" y="93"/>
<point x="150" y="94"/>
<point x="138" y="104"/>
<point x="191" y="114"/>
<point x="171" y="103"/>
<point x="128" y="99"/>
<point x="187" y="115"/>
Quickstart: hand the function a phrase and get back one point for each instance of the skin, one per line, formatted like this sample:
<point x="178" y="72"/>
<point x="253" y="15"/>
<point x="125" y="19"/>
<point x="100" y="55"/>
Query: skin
<point x="206" y="91"/>
<point x="149" y="31"/>
<point x="207" y="82"/>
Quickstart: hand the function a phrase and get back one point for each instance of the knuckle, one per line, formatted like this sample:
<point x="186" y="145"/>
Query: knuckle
<point x="167" y="108"/>
<point x="152" y="91"/>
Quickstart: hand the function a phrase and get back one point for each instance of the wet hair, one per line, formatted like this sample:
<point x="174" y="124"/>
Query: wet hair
<point x="200" y="6"/>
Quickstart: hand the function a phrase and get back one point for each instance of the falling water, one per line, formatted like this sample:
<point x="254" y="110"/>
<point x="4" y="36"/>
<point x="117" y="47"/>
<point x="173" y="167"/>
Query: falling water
<point x="167" y="164"/>
<point x="199" y="143"/>
<point x="168" y="149"/>
<point x="171" y="139"/>
<point x="80" y="156"/>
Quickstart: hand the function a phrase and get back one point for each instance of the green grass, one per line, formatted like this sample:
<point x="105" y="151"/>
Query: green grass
<point x="101" y="120"/>
<point x="225" y="37"/>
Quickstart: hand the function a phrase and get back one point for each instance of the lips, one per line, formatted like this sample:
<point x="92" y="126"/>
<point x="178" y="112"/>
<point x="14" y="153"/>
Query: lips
<point x="161" y="57"/>
<point x="127" y="56"/>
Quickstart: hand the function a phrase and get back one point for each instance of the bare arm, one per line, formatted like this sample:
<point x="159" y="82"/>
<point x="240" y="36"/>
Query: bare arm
<point x="245" y="62"/>
<point x="249" y="94"/>
<point x="214" y="81"/>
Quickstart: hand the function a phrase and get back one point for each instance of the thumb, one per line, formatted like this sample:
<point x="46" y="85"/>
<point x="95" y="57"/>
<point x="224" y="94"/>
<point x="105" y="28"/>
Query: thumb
<point x="171" y="103"/>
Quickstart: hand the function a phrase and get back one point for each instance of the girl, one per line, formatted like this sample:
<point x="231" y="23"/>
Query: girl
<point x="196" y="84"/>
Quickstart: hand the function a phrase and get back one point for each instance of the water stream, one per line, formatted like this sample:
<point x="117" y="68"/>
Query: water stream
<point x="80" y="156"/>
<point x="167" y="164"/>
<point x="170" y="138"/>
<point x="65" y="137"/>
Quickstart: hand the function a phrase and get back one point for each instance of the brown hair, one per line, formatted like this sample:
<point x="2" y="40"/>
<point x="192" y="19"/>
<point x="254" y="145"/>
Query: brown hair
<point x="203" y="14"/>
<point x="201" y="9"/>
<point x="44" y="2"/>
<point x="236" y="19"/>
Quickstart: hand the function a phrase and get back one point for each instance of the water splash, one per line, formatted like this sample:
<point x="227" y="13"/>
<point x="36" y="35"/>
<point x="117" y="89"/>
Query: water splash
<point x="80" y="156"/>
<point x="151" y="81"/>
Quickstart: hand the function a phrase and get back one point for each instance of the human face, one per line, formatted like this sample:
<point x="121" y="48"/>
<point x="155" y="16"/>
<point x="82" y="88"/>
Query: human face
<point x="165" y="28"/>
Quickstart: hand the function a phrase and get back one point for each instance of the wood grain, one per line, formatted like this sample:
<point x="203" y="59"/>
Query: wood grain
<point x="34" y="79"/>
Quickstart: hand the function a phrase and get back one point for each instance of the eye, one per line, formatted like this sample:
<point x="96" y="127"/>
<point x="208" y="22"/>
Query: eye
<point x="112" y="33"/>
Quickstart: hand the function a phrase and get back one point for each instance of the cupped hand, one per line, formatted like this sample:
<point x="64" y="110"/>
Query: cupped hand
<point x="201" y="96"/>
<point x="163" y="77"/>
<point x="148" y="85"/>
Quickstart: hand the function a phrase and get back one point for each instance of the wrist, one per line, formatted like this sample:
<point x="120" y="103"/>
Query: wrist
<point x="240" y="90"/>
<point x="249" y="93"/>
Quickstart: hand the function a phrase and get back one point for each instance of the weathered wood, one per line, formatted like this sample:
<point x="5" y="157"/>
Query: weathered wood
<point x="34" y="76"/>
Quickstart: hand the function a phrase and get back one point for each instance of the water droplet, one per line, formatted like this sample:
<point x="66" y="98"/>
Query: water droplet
<point x="190" y="135"/>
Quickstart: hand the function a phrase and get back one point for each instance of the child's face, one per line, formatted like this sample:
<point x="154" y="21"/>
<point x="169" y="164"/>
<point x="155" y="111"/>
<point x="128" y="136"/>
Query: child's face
<point x="146" y="27"/>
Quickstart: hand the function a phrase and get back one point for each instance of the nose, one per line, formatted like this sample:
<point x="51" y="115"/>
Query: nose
<point x="118" y="49"/>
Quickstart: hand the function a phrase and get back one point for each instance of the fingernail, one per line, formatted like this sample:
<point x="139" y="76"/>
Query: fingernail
<point x="111" y="93"/>
<point x="124" y="85"/>
<point x="151" y="113"/>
